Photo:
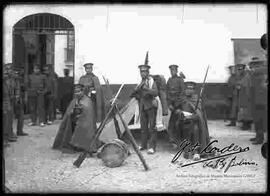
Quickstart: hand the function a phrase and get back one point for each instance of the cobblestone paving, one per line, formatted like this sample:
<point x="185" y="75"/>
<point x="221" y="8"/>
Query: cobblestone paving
<point x="32" y="166"/>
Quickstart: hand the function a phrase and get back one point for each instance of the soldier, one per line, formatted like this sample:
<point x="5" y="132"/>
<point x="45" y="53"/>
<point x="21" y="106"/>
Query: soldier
<point x="36" y="88"/>
<point x="194" y="126"/>
<point x="78" y="126"/>
<point x="8" y="90"/>
<point x="146" y="93"/>
<point x="259" y="95"/>
<point x="175" y="97"/>
<point x="66" y="95"/>
<point x="232" y="96"/>
<point x="19" y="101"/>
<point x="244" y="84"/>
<point x="50" y="94"/>
<point x="92" y="89"/>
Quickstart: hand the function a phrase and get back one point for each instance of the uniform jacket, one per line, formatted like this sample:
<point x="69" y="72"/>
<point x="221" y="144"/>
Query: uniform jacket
<point x="6" y="97"/>
<point x="84" y="131"/>
<point x="258" y="88"/>
<point x="91" y="82"/>
<point x="231" y="84"/>
<point x="36" y="84"/>
<point x="245" y="104"/>
<point x="175" y="91"/>
<point x="51" y="85"/>
<point x="147" y="97"/>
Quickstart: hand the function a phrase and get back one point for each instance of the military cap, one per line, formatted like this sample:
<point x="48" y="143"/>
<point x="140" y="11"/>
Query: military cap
<point x="240" y="66"/>
<point x="257" y="63"/>
<point x="173" y="66"/>
<point x="88" y="65"/>
<point x="78" y="87"/>
<point x="144" y="67"/>
<point x="190" y="84"/>
<point x="231" y="66"/>
<point x="8" y="64"/>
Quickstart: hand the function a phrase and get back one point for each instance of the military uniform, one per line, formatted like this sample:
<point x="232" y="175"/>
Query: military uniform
<point x="259" y="98"/>
<point x="92" y="89"/>
<point x="232" y="97"/>
<point x="19" y="102"/>
<point x="50" y="96"/>
<point x="66" y="96"/>
<point x="8" y="107"/>
<point x="244" y="114"/>
<point x="259" y="82"/>
<point x="175" y="98"/>
<point x="146" y="93"/>
<point x="36" y="89"/>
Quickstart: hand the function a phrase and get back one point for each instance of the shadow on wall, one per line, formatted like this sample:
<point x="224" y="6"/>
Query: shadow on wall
<point x="214" y="98"/>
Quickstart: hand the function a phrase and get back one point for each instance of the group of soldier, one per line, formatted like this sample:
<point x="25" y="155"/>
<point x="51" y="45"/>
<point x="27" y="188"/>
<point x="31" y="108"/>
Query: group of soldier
<point x="36" y="92"/>
<point x="247" y="95"/>
<point x="87" y="108"/>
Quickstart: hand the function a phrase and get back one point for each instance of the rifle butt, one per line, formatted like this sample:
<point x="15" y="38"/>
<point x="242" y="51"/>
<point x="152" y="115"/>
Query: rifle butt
<point x="80" y="159"/>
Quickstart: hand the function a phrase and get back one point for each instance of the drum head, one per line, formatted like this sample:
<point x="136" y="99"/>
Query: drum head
<point x="113" y="154"/>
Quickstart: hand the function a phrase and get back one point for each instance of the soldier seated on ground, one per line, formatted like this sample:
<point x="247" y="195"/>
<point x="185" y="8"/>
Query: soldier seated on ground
<point x="78" y="126"/>
<point x="193" y="123"/>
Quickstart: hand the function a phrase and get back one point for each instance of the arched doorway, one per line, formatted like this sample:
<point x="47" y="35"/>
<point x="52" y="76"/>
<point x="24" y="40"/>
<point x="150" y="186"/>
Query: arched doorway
<point x="38" y="38"/>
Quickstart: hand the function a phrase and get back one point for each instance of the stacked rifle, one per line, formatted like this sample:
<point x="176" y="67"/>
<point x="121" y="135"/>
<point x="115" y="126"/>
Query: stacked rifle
<point x="115" y="111"/>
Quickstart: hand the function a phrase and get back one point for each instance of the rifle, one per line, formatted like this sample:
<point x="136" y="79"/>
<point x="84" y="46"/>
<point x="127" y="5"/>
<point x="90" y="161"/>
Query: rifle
<point x="83" y="155"/>
<point x="131" y="139"/>
<point x="201" y="90"/>
<point x="129" y="134"/>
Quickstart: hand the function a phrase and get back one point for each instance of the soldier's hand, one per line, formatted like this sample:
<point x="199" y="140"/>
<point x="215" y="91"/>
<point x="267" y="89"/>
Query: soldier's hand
<point x="171" y="107"/>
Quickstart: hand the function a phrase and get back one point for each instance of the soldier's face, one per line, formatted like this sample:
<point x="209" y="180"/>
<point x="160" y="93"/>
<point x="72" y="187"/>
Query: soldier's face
<point x="232" y="70"/>
<point x="189" y="91"/>
<point x="88" y="70"/>
<point x="173" y="71"/>
<point x="46" y="70"/>
<point x="36" y="69"/>
<point x="144" y="73"/>
<point x="78" y="93"/>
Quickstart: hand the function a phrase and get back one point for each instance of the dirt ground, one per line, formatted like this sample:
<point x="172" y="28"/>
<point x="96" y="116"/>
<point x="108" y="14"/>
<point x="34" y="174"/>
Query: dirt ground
<point x="32" y="166"/>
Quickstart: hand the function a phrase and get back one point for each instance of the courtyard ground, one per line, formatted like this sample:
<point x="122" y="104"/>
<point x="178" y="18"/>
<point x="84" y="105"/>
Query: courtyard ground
<point x="32" y="166"/>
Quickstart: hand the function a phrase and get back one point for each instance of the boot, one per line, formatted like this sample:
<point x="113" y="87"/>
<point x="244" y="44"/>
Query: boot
<point x="21" y="133"/>
<point x="253" y="139"/>
<point x="258" y="141"/>
<point x="246" y="126"/>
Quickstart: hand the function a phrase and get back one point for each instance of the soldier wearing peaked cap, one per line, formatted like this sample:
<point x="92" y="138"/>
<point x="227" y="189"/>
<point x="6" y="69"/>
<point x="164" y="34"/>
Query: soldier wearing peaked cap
<point x="244" y="100"/>
<point x="259" y="82"/>
<point x="93" y="90"/>
<point x="78" y="126"/>
<point x="175" y="97"/>
<point x="193" y="125"/>
<point x="19" y="101"/>
<point x="66" y="83"/>
<point x="146" y="93"/>
<point x="36" y="88"/>
<point x="232" y="96"/>
<point x="8" y="103"/>
<point x="51" y="93"/>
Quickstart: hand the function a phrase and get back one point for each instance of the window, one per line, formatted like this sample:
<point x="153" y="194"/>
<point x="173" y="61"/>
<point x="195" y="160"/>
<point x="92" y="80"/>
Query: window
<point x="69" y="50"/>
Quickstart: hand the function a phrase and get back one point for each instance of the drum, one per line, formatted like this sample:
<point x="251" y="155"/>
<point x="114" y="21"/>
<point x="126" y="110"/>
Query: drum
<point x="114" y="153"/>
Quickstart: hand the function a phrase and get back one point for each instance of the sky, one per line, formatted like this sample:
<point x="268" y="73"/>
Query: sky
<point x="192" y="37"/>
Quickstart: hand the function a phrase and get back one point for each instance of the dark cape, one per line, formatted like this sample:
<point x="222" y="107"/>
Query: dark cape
<point x="92" y="81"/>
<point x="84" y="130"/>
<point x="202" y="127"/>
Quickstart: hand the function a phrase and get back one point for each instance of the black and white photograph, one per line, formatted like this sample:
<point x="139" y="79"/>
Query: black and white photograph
<point x="134" y="98"/>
